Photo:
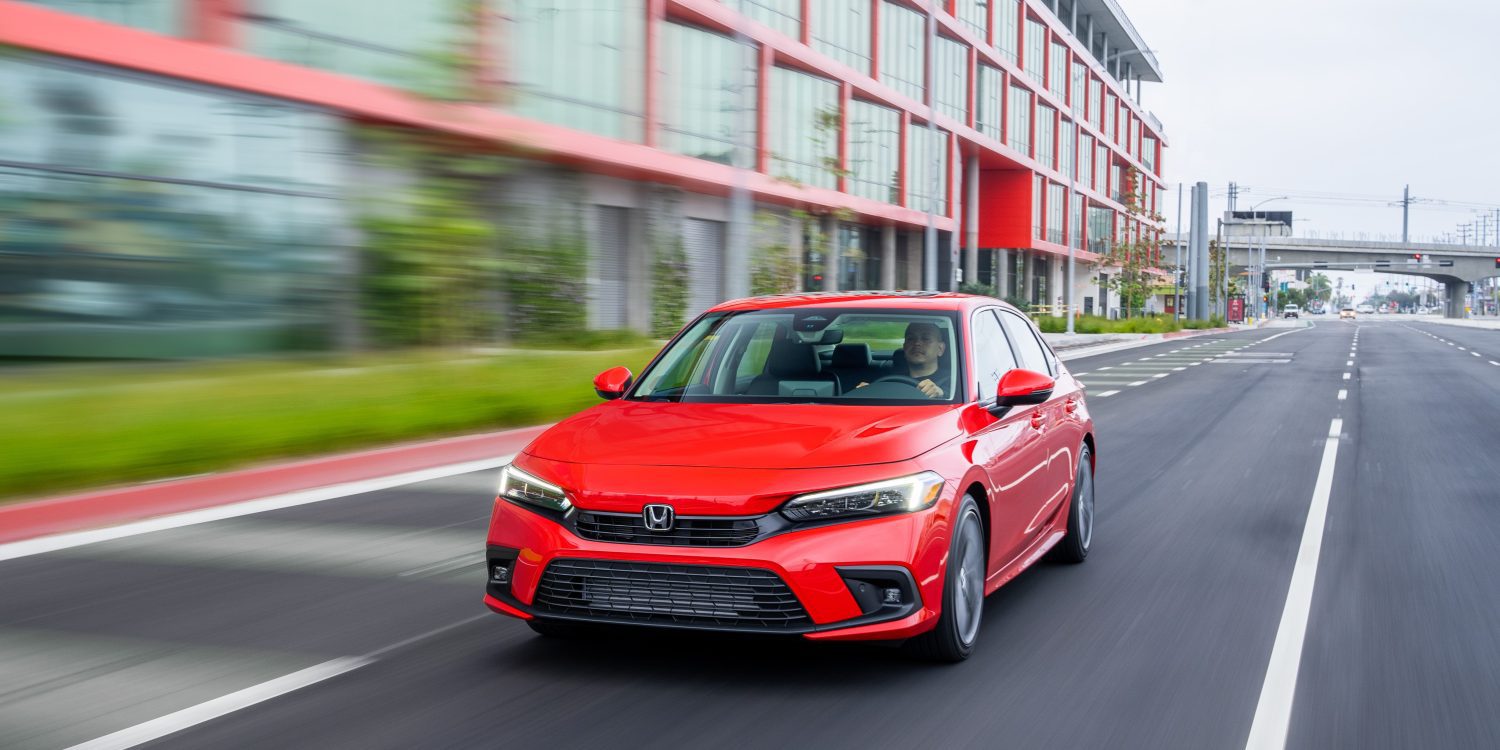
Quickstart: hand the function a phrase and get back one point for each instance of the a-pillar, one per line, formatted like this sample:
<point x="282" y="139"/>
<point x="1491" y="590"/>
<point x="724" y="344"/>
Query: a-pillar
<point x="888" y="257"/>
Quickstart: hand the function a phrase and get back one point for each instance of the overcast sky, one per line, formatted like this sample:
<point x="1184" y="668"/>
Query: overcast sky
<point x="1332" y="97"/>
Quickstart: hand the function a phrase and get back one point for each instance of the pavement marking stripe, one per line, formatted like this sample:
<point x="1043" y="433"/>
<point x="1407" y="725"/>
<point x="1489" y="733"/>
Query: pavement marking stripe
<point x="160" y="727"/>
<point x="1273" y="713"/>
<point x="73" y="539"/>
<point x="1493" y="362"/>
<point x="1105" y="394"/>
<point x="1343" y="394"/>
<point x="1346" y="376"/>
<point x="1474" y="353"/>
<point x="1159" y="375"/>
<point x="1136" y="383"/>
<point x="1350" y="363"/>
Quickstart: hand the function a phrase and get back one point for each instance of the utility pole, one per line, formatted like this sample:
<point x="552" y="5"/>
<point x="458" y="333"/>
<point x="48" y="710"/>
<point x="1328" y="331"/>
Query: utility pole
<point x="929" y="256"/>
<point x="1405" y="210"/>
<point x="1234" y="192"/>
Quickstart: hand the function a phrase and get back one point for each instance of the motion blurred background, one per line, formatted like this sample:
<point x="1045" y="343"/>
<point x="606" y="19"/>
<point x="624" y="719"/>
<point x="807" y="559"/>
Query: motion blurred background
<point x="199" y="198"/>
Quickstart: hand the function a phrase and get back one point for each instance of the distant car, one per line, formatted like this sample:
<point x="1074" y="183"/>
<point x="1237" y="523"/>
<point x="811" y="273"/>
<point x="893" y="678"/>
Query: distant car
<point x="1422" y="310"/>
<point x="1346" y="312"/>
<point x="1366" y="309"/>
<point x="1291" y="311"/>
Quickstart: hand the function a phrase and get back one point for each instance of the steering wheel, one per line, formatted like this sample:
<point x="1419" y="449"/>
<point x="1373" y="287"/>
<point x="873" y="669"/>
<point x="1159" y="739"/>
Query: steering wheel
<point x="896" y="379"/>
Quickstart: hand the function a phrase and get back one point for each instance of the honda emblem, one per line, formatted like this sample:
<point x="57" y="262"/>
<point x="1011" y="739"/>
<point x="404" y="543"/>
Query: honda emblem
<point x="658" y="517"/>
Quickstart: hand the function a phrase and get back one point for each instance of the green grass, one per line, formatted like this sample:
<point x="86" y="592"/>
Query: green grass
<point x="1147" y="324"/>
<point x="70" y="429"/>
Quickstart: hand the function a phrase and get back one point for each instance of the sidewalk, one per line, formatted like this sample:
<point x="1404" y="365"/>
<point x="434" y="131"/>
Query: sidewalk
<point x="1075" y="345"/>
<point x="1491" y="324"/>
<point x="106" y="507"/>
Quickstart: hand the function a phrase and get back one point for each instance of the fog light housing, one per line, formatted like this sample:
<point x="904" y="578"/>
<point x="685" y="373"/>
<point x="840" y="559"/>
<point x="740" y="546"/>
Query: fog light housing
<point x="500" y="573"/>
<point x="881" y="591"/>
<point x="892" y="596"/>
<point x="500" y="567"/>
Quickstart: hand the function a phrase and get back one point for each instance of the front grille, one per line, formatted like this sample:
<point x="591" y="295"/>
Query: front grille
<point x="630" y="528"/>
<point x="662" y="594"/>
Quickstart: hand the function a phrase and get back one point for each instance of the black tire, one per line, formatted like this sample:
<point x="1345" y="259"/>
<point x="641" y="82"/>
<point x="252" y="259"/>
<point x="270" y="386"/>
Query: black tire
<point x="952" y="640"/>
<point x="558" y="628"/>
<point x="1074" y="548"/>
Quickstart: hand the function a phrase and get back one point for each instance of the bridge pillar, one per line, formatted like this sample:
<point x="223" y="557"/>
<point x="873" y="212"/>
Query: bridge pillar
<point x="1458" y="297"/>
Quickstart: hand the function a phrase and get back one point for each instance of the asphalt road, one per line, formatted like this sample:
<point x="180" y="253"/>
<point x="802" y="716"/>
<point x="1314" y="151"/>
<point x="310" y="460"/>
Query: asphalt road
<point x="1210" y="454"/>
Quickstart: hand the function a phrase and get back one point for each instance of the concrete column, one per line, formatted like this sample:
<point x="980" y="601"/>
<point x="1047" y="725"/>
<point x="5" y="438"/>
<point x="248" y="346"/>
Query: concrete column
<point x="1057" y="295"/>
<point x="1458" y="297"/>
<point x="914" y="243"/>
<point x="1200" y="251"/>
<point x="1028" y="276"/>
<point x="971" y="220"/>
<point x="1002" y="273"/>
<point x="794" y="248"/>
<point x="831" y="257"/>
<point x="888" y="257"/>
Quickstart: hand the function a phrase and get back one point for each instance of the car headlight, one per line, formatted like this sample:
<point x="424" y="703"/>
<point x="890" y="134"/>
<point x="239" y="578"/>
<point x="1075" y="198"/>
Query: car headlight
<point x="521" y="487"/>
<point x="901" y="495"/>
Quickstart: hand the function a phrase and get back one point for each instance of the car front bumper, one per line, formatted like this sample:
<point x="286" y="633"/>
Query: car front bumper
<point x="838" y="573"/>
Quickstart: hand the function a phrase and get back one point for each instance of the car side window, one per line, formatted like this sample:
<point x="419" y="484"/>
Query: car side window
<point x="1028" y="347"/>
<point x="992" y="355"/>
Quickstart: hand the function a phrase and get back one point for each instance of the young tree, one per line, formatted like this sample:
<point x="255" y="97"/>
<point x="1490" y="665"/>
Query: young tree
<point x="1135" y="256"/>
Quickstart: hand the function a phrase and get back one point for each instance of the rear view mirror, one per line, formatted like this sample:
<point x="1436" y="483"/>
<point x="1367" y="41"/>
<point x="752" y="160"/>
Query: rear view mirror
<point x="612" y="383"/>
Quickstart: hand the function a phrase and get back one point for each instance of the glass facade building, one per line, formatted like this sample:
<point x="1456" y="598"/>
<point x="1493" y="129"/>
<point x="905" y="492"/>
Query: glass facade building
<point x="646" y="115"/>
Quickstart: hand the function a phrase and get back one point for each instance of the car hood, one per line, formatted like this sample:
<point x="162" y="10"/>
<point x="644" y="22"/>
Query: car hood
<point x="747" y="436"/>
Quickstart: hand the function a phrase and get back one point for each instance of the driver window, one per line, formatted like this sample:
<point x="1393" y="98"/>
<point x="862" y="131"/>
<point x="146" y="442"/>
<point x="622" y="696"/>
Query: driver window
<point x="992" y="354"/>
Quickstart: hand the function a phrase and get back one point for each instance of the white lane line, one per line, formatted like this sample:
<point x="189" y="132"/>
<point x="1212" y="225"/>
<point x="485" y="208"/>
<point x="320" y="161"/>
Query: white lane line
<point x="209" y="710"/>
<point x="1493" y="362"/>
<point x="1350" y="363"/>
<point x="1136" y="383"/>
<point x="1108" y="367"/>
<point x="1195" y="364"/>
<point x="1178" y="369"/>
<point x="1105" y="394"/>
<point x="1346" y="376"/>
<point x="1474" y="353"/>
<point x="1343" y="394"/>
<point x="73" y="539"/>
<point x="1462" y="349"/>
<point x="1160" y="375"/>
<point x="1273" y="713"/>
<point x="1079" y="374"/>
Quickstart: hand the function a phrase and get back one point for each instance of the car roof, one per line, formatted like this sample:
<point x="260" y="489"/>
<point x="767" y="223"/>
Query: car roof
<point x="904" y="300"/>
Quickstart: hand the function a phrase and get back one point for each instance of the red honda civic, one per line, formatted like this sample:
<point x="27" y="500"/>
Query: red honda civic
<point x="840" y="466"/>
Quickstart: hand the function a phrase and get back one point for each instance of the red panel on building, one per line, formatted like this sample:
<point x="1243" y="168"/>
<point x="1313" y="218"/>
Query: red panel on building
<point x="1005" y="208"/>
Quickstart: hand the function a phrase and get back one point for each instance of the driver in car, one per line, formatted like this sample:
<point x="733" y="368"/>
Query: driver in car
<point x="924" y="349"/>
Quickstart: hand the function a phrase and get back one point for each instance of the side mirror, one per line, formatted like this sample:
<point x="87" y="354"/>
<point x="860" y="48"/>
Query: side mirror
<point x="1018" y="388"/>
<point x="612" y="383"/>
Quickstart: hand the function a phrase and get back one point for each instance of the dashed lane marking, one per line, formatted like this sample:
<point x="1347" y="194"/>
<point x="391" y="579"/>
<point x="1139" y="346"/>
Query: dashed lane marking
<point x="1105" y="394"/>
<point x="1343" y="394"/>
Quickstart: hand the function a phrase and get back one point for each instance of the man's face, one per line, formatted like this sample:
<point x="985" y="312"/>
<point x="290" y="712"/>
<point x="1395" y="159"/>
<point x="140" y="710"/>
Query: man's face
<point x="924" y="344"/>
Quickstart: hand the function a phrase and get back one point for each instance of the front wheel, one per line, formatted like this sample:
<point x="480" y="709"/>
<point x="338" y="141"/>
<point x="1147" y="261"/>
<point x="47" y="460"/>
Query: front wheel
<point x="963" y="591"/>
<point x="1074" y="548"/>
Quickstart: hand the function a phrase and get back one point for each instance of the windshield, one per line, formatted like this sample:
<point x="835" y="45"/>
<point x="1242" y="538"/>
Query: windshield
<point x="812" y="355"/>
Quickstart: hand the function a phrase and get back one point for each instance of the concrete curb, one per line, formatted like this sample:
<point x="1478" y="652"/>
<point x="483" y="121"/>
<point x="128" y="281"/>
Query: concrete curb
<point x="33" y="518"/>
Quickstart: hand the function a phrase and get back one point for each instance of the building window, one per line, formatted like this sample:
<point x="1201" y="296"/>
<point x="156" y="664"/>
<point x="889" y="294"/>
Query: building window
<point x="1046" y="135"/>
<point x="1096" y="112"/>
<point x="1101" y="168"/>
<point x="160" y="16"/>
<point x="1056" y="212"/>
<point x="988" y="96"/>
<point x="1036" y="50"/>
<point x="100" y="227"/>
<point x="1101" y="229"/>
<point x="1007" y="13"/>
<point x="951" y="85"/>
<point x="841" y="30"/>
<point x="1057" y="71"/>
<point x="1148" y="154"/>
<point x="1065" y="135"/>
<point x="404" y="45"/>
<point x="804" y="122"/>
<point x="1086" y="160"/>
<point x="784" y="16"/>
<point x="1080" y="206"/>
<point x="1019" y="136"/>
<point x="972" y="14"/>
<point x="1080" y="92"/>
<point x="1036" y="206"/>
<point x="579" y="64"/>
<point x="708" y="95"/>
<point x="926" y="169"/>
<point x="874" y="151"/>
<point x="902" y="50"/>
<point x="1111" y="110"/>
<point x="1116" y="185"/>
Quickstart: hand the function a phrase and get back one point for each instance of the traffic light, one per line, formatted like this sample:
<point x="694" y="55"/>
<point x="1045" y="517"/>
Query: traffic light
<point x="1497" y="262"/>
<point x="1265" y="279"/>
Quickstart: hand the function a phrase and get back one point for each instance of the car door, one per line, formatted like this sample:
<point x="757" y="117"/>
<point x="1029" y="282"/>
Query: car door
<point x="1010" y="449"/>
<point x="1050" y="419"/>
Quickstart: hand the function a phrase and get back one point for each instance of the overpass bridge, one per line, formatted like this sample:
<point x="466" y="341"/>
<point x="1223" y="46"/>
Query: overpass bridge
<point x="1457" y="267"/>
